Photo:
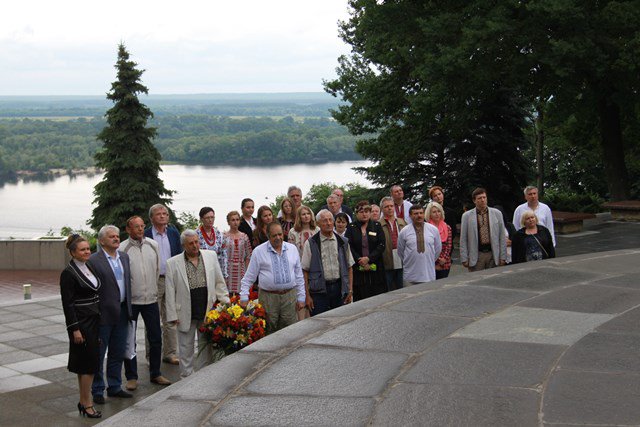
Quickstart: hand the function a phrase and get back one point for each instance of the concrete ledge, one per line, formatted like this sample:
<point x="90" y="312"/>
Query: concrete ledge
<point x="625" y="210"/>
<point x="549" y="342"/>
<point x="569" y="222"/>
<point x="41" y="254"/>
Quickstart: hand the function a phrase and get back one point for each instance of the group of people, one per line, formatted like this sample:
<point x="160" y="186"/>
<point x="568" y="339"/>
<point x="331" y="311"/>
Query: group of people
<point x="301" y="264"/>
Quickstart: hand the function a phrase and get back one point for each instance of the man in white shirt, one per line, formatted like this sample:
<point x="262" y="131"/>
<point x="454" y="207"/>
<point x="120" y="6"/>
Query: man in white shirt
<point x="276" y="264"/>
<point x="419" y="246"/>
<point x="400" y="206"/>
<point x="542" y="211"/>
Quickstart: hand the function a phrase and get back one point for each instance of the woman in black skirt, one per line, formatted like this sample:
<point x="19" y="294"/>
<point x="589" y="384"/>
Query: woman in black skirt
<point x="79" y="290"/>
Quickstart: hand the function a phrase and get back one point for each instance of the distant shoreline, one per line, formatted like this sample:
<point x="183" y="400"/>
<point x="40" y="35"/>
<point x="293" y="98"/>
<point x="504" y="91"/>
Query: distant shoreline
<point x="92" y="170"/>
<point x="55" y="173"/>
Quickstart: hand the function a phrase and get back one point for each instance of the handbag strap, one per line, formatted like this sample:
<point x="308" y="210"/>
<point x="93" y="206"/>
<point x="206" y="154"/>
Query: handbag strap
<point x="540" y="244"/>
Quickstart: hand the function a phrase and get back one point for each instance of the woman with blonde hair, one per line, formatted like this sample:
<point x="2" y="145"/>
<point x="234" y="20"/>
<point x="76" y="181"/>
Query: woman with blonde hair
<point x="435" y="213"/>
<point x="533" y="241"/>
<point x="304" y="228"/>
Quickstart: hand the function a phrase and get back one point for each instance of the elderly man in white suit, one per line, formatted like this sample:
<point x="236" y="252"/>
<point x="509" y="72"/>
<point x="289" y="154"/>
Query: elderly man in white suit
<point x="193" y="282"/>
<point x="482" y="239"/>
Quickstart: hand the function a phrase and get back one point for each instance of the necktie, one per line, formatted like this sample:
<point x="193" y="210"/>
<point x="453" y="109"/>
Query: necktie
<point x="419" y="238"/>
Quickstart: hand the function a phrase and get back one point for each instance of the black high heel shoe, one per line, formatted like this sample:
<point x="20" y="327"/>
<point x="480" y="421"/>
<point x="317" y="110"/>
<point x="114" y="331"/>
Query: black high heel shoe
<point x="83" y="411"/>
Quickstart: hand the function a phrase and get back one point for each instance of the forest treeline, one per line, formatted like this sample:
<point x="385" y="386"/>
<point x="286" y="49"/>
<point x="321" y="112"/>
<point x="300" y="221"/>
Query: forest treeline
<point x="301" y="104"/>
<point x="42" y="144"/>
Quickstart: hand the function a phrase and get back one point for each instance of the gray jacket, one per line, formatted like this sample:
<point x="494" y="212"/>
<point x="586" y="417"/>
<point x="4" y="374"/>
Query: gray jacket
<point x="469" y="237"/>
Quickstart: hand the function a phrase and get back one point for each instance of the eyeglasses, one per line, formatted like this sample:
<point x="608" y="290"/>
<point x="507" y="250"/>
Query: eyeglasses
<point x="364" y="209"/>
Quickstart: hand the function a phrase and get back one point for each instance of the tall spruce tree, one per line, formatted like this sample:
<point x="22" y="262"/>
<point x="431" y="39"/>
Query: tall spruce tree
<point x="131" y="162"/>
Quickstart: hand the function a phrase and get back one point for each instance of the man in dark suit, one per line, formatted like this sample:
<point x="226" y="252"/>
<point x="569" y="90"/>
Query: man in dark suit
<point x="247" y="221"/>
<point x="112" y="268"/>
<point x="168" y="239"/>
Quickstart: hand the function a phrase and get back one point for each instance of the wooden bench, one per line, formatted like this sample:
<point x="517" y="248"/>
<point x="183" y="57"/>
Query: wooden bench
<point x="569" y="222"/>
<point x="625" y="210"/>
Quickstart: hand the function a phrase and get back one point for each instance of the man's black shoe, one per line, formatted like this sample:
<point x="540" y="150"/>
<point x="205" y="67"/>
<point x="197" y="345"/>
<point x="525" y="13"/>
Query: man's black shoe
<point x="121" y="393"/>
<point x="99" y="399"/>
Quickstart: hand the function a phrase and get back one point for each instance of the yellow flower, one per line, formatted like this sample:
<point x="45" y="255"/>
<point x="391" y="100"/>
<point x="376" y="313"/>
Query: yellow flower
<point x="235" y="310"/>
<point x="213" y="315"/>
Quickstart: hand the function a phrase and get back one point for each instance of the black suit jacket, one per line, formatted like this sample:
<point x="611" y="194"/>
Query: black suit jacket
<point x="246" y="228"/>
<point x="109" y="291"/>
<point x="375" y="238"/>
<point x="79" y="298"/>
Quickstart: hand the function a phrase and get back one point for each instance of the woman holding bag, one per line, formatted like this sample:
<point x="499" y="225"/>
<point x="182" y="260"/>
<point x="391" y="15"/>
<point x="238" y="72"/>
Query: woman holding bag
<point x="533" y="241"/>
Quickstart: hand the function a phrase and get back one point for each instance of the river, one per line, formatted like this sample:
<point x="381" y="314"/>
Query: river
<point x="31" y="209"/>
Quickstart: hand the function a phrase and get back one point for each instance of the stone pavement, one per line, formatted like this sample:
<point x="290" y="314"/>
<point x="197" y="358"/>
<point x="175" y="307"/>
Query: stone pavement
<point x="35" y="386"/>
<point x="547" y="343"/>
<point x="554" y="342"/>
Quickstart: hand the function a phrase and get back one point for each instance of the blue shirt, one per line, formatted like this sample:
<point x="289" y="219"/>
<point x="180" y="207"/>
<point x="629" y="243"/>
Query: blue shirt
<point x="118" y="271"/>
<point x="165" y="248"/>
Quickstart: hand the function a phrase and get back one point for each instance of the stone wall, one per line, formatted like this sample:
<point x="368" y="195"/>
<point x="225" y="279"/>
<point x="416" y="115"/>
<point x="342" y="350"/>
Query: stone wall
<point x="41" y="254"/>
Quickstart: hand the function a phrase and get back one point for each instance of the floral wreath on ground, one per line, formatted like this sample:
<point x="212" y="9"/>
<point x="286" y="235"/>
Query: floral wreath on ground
<point x="229" y="327"/>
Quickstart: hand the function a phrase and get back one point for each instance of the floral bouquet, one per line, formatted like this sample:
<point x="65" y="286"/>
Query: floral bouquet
<point x="229" y="327"/>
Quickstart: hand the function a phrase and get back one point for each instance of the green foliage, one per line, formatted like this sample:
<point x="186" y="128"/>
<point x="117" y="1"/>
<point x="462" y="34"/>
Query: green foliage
<point x="91" y="236"/>
<point x="584" y="55"/>
<point x="41" y="145"/>
<point x="444" y="87"/>
<point x="573" y="202"/>
<point x="434" y="106"/>
<point x="188" y="220"/>
<point x="131" y="162"/>
<point x="5" y="171"/>
<point x="220" y="140"/>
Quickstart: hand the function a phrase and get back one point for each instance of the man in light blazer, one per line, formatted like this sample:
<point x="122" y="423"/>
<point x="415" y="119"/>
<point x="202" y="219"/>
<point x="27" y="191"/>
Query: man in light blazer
<point x="193" y="282"/>
<point x="482" y="238"/>
<point x="112" y="268"/>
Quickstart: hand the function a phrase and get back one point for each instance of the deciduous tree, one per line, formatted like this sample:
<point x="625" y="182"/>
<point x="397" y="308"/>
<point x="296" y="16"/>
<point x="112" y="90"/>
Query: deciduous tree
<point x="437" y="106"/>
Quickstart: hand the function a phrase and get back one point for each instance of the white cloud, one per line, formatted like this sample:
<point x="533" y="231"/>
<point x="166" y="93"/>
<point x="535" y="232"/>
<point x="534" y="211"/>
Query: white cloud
<point x="69" y="47"/>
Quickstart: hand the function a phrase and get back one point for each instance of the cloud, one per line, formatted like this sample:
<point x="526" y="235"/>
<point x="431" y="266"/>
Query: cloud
<point x="70" y="47"/>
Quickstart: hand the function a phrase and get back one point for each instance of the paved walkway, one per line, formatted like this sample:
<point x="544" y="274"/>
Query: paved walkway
<point x="555" y="310"/>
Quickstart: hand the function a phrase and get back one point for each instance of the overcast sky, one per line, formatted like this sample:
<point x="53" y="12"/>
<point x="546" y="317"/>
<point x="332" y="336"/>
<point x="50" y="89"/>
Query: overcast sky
<point x="69" y="47"/>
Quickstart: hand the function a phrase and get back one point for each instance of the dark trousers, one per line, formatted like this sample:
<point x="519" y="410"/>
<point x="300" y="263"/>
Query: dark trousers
<point x="327" y="301"/>
<point x="151" y="317"/>
<point x="394" y="279"/>
<point x="441" y="274"/>
<point x="113" y="338"/>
